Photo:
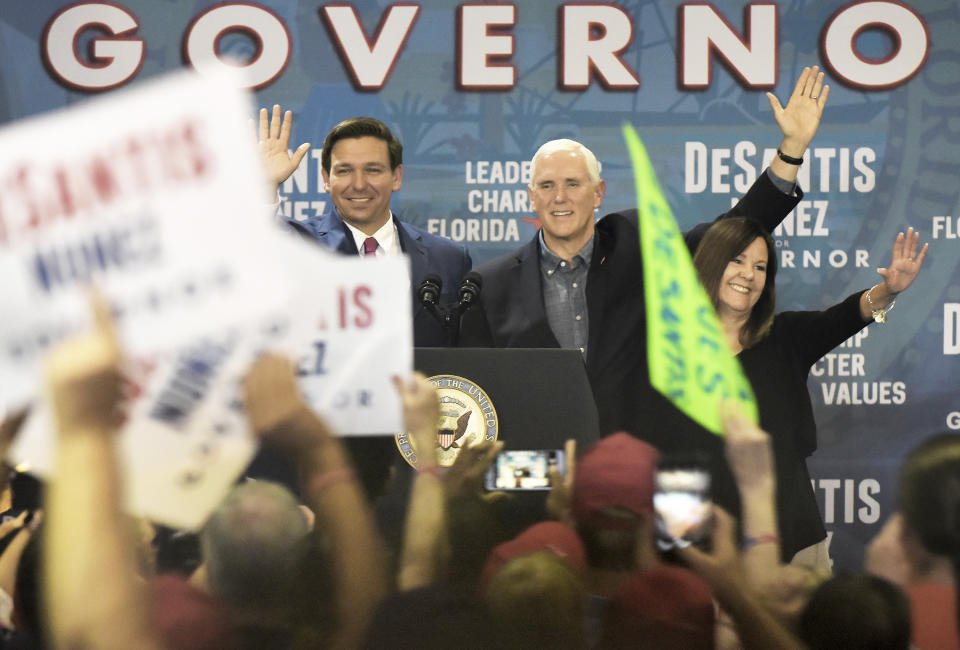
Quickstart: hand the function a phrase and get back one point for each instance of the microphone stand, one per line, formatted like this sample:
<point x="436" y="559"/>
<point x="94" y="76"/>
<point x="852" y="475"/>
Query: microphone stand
<point x="449" y="317"/>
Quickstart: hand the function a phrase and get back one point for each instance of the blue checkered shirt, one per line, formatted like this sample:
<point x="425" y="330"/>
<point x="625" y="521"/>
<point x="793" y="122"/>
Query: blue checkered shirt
<point x="565" y="295"/>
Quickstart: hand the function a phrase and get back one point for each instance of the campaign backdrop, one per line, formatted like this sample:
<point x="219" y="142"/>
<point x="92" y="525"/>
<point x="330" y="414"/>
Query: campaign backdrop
<point x="472" y="90"/>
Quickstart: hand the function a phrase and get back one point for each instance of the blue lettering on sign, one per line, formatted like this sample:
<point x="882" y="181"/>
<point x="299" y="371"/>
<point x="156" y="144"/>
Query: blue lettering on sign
<point x="711" y="384"/>
<point x="705" y="322"/>
<point x="313" y="364"/>
<point x="195" y="370"/>
<point x="135" y="245"/>
<point x="709" y="342"/>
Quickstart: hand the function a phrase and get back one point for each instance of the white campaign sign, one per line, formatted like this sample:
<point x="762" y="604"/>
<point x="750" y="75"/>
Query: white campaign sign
<point x="187" y="438"/>
<point x="352" y="332"/>
<point x="154" y="194"/>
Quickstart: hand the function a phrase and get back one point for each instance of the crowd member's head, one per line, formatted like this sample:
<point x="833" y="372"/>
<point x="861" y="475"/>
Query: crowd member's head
<point x="737" y="265"/>
<point x="565" y="189"/>
<point x="253" y="545"/>
<point x="362" y="167"/>
<point x="665" y="607"/>
<point x="537" y="600"/>
<point x="930" y="502"/>
<point x="854" y="611"/>
<point x="549" y="536"/>
<point x="435" y="617"/>
<point x="612" y="501"/>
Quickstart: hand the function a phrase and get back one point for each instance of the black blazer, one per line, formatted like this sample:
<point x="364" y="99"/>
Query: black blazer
<point x="511" y="312"/>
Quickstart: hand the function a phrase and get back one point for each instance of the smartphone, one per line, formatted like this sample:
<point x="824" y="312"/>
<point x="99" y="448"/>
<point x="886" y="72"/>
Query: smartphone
<point x="526" y="469"/>
<point x="682" y="504"/>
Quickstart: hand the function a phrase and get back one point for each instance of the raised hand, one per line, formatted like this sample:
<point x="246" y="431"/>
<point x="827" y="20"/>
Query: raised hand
<point x="561" y="487"/>
<point x="421" y="413"/>
<point x="466" y="474"/>
<point x="9" y="428"/>
<point x="748" y="451"/>
<point x="274" y="138"/>
<point x="800" y="119"/>
<point x="277" y="413"/>
<point x="906" y="262"/>
<point x="84" y="377"/>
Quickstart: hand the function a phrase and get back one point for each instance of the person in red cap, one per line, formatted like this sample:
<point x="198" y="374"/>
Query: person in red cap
<point x="612" y="508"/>
<point x="664" y="607"/>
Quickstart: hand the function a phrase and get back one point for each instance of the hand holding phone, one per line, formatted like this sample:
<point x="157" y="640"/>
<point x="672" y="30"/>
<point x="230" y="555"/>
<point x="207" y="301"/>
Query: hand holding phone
<point x="682" y="505"/>
<point x="527" y="469"/>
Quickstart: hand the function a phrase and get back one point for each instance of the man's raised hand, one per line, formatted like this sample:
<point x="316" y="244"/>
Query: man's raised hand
<point x="274" y="136"/>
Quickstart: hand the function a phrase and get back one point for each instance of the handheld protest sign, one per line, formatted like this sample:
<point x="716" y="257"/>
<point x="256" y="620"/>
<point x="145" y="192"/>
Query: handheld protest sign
<point x="354" y="339"/>
<point x="688" y="355"/>
<point x="187" y="437"/>
<point x="155" y="194"/>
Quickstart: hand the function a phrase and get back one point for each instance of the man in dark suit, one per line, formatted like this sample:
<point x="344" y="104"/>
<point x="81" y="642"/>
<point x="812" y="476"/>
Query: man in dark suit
<point x="362" y="166"/>
<point x="579" y="283"/>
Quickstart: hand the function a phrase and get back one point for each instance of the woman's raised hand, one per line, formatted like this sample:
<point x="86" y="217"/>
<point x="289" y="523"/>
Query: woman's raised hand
<point x="906" y="262"/>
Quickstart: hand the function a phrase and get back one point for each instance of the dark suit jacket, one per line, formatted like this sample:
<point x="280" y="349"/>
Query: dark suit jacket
<point x="428" y="254"/>
<point x="511" y="312"/>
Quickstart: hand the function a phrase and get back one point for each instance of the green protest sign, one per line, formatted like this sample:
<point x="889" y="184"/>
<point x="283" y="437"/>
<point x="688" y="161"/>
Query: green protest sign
<point x="689" y="359"/>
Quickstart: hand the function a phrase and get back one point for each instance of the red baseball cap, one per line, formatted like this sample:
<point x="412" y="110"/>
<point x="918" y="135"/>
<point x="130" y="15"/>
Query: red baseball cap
<point x="616" y="472"/>
<point x="550" y="536"/>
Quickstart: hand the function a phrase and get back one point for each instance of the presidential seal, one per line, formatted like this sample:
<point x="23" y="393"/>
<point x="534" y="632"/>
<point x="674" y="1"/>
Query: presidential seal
<point x="467" y="417"/>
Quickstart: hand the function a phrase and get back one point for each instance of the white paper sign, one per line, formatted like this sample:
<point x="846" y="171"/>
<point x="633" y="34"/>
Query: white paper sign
<point x="351" y="331"/>
<point x="187" y="438"/>
<point x="155" y="194"/>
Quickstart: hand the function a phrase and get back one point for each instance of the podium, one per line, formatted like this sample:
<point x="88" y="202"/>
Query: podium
<point x="541" y="395"/>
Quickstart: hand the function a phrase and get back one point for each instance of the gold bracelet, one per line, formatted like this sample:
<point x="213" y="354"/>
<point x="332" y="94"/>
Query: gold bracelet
<point x="879" y="315"/>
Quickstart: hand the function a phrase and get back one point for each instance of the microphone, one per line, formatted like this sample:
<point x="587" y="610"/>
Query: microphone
<point x="470" y="289"/>
<point x="429" y="292"/>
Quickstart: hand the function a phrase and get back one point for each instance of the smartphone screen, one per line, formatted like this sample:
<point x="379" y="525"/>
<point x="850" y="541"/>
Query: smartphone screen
<point x="681" y="501"/>
<point x="524" y="469"/>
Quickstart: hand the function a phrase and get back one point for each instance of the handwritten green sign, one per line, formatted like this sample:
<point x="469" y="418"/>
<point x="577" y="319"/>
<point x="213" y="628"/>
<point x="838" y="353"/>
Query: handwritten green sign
<point x="688" y="355"/>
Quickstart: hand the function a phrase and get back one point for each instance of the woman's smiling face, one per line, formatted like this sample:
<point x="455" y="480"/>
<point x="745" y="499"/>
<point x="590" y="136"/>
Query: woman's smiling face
<point x="743" y="280"/>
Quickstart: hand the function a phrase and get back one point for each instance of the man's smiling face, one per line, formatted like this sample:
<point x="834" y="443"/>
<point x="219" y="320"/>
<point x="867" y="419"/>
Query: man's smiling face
<point x="361" y="182"/>
<point x="564" y="197"/>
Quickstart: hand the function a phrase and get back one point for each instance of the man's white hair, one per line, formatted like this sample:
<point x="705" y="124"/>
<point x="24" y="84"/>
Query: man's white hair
<point x="564" y="144"/>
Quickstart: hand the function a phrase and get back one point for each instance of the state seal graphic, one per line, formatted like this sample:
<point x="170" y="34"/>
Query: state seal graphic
<point x="467" y="417"/>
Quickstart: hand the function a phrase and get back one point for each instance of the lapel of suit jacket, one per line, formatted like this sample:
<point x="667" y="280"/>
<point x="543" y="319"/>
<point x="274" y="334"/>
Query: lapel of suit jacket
<point x="333" y="233"/>
<point x="411" y="243"/>
<point x="531" y="290"/>
<point x="598" y="287"/>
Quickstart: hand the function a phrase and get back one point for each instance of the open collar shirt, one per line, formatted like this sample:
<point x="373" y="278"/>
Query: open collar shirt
<point x="565" y="295"/>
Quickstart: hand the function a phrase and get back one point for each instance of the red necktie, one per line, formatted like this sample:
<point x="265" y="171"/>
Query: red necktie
<point x="370" y="246"/>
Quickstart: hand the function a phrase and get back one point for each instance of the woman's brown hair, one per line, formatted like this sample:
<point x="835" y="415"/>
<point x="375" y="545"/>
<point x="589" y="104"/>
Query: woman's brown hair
<point x="725" y="240"/>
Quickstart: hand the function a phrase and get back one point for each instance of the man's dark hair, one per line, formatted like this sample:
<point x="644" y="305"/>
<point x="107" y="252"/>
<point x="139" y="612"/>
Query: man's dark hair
<point x="857" y="610"/>
<point x="930" y="496"/>
<point x="359" y="127"/>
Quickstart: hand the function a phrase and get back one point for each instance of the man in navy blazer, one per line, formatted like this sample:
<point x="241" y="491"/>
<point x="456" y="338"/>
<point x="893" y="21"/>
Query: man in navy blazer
<point x="362" y="166"/>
